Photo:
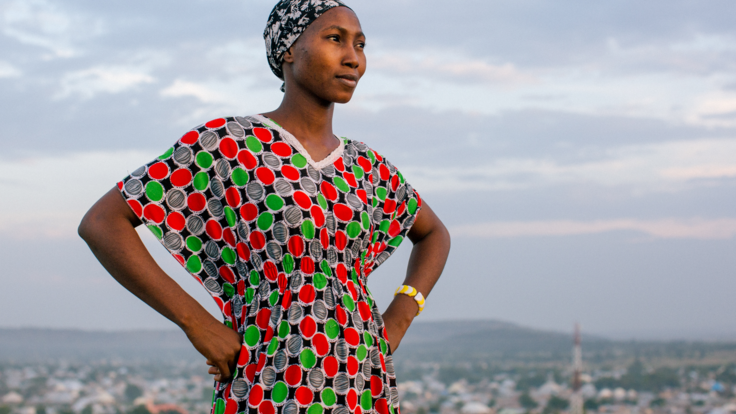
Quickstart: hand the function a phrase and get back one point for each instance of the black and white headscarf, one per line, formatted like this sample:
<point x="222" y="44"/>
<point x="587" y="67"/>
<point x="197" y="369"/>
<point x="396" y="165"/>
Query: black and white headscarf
<point x="287" y="21"/>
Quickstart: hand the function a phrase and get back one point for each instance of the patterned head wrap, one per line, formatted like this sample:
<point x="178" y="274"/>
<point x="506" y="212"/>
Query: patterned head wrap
<point x="288" y="20"/>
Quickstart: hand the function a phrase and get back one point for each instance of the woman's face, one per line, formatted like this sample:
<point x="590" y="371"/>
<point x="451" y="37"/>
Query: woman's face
<point x="328" y="59"/>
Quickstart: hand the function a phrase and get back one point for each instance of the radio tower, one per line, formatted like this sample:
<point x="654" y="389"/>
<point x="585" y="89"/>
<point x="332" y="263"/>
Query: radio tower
<point x="576" y="399"/>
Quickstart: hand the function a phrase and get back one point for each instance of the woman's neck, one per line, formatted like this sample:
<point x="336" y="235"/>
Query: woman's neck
<point x="308" y="118"/>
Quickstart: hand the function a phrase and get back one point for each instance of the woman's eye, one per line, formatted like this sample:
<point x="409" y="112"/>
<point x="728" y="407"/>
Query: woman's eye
<point x="334" y="37"/>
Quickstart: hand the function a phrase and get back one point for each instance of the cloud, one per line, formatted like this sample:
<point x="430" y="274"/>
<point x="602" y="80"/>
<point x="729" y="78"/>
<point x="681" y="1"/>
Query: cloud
<point x="181" y="88"/>
<point x="667" y="166"/>
<point x="702" y="229"/>
<point x="43" y="24"/>
<point x="8" y="71"/>
<point x="446" y="66"/>
<point x="714" y="109"/>
<point x="46" y="197"/>
<point x="87" y="83"/>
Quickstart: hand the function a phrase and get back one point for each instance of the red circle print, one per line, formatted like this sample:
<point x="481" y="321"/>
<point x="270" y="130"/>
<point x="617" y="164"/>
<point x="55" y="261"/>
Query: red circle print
<point x="339" y="164"/>
<point x="257" y="240"/>
<point x="155" y="213"/>
<point x="262" y="318"/>
<point x="247" y="159"/>
<point x="306" y="294"/>
<point x="342" y="272"/>
<point x="256" y="395"/>
<point x="343" y="212"/>
<point x="362" y="195"/>
<point x="302" y="200"/>
<point x="330" y="366"/>
<point x="228" y="148"/>
<point x="227" y="274"/>
<point x="352" y="398"/>
<point x="290" y="173"/>
<point x="341" y="240"/>
<point x="266" y="407"/>
<point x="265" y="175"/>
<point x="352" y="365"/>
<point x="308" y="327"/>
<point x="286" y="301"/>
<point x="190" y="138"/>
<point x="342" y="317"/>
<point x="216" y="123"/>
<point x="229" y="236"/>
<point x="243" y="251"/>
<point x="381" y="405"/>
<point x="376" y="386"/>
<point x="384" y="172"/>
<point x="350" y="178"/>
<point x="281" y="149"/>
<point x="296" y="245"/>
<point x="213" y="229"/>
<point x="136" y="206"/>
<point x="249" y="212"/>
<point x="181" y="177"/>
<point x="306" y="265"/>
<point x="271" y="271"/>
<point x="158" y="171"/>
<point x="293" y="375"/>
<point x="318" y="215"/>
<point x="394" y="229"/>
<point x="328" y="190"/>
<point x="263" y="134"/>
<point x="304" y="395"/>
<point x="389" y="206"/>
<point x="365" y="311"/>
<point x="232" y="195"/>
<point x="321" y="345"/>
<point x="352" y="337"/>
<point x="365" y="164"/>
<point x="196" y="202"/>
<point x="176" y="221"/>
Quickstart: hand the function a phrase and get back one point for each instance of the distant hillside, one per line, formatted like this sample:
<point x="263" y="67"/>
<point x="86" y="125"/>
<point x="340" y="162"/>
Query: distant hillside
<point x="443" y="342"/>
<point x="24" y="344"/>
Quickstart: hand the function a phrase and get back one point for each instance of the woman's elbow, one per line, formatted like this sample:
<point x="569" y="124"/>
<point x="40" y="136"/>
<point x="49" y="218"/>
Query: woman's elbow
<point x="86" y="227"/>
<point x="447" y="239"/>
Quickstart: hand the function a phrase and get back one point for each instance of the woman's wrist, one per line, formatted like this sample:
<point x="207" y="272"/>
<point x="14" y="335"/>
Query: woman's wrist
<point x="401" y="311"/>
<point x="193" y="318"/>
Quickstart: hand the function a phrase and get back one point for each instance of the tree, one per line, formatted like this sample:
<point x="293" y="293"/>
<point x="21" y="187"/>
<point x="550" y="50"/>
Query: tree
<point x="591" y="404"/>
<point x="556" y="404"/>
<point x="139" y="409"/>
<point x="526" y="401"/>
<point x="132" y="392"/>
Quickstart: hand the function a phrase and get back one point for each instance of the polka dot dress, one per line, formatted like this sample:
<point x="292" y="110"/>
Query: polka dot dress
<point x="284" y="246"/>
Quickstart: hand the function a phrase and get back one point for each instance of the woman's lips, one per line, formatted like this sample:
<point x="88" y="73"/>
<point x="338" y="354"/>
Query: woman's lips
<point x="348" y="80"/>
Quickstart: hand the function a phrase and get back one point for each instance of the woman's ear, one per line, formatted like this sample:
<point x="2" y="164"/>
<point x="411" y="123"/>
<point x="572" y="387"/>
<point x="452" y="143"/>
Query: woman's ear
<point x="288" y="56"/>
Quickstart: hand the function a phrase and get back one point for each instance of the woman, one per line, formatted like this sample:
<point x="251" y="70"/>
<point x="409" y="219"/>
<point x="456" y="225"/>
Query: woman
<point x="281" y="222"/>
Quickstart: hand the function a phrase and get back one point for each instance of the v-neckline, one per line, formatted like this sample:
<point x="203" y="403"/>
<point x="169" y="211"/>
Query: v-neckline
<point x="291" y="139"/>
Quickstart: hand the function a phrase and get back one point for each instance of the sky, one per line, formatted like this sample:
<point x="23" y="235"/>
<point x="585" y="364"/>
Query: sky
<point x="582" y="154"/>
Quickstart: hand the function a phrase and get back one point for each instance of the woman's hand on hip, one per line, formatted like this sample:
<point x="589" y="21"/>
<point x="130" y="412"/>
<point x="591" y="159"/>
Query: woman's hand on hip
<point x="219" y="344"/>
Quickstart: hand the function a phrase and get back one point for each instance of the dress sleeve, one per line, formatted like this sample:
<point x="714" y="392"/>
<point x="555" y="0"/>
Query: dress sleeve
<point x="186" y="197"/>
<point x="395" y="208"/>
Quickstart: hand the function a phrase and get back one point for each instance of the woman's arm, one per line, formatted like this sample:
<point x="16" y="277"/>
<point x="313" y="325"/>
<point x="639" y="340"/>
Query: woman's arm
<point x="428" y="256"/>
<point x="109" y="230"/>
